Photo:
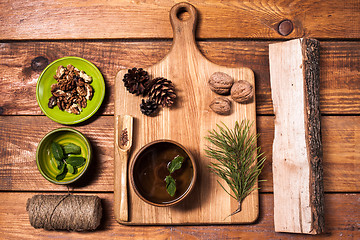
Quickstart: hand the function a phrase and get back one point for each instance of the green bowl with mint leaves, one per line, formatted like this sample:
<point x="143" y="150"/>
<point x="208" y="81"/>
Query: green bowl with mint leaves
<point x="163" y="173"/>
<point x="63" y="155"/>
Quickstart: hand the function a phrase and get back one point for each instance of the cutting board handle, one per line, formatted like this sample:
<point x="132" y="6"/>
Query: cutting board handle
<point x="183" y="29"/>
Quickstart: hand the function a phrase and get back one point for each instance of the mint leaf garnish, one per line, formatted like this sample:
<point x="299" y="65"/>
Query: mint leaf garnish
<point x="175" y="164"/>
<point x="170" y="185"/>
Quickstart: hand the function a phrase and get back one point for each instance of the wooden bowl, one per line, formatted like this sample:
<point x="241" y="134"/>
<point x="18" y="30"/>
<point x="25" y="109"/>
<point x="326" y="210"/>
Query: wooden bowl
<point x="149" y="169"/>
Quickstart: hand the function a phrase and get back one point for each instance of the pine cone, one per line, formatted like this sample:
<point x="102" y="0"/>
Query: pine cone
<point x="148" y="107"/>
<point x="136" y="81"/>
<point x="162" y="91"/>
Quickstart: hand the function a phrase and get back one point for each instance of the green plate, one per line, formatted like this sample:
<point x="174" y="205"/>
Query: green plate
<point x="45" y="160"/>
<point x="46" y="79"/>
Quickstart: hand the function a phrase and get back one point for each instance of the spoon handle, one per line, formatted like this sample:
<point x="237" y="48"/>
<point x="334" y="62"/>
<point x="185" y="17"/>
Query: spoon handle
<point x="121" y="166"/>
<point x="123" y="157"/>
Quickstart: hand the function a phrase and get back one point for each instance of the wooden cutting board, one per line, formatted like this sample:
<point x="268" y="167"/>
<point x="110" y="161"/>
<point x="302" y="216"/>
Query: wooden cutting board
<point x="187" y="122"/>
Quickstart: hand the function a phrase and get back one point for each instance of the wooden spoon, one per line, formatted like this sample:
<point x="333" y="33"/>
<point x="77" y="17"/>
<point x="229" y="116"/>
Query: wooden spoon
<point x="123" y="127"/>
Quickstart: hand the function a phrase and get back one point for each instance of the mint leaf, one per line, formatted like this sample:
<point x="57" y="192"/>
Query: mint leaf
<point x="170" y="185"/>
<point x="62" y="173"/>
<point x="56" y="162"/>
<point x="57" y="151"/>
<point x="59" y="164"/>
<point x="72" y="148"/>
<point x="70" y="168"/>
<point x="75" y="161"/>
<point x="176" y="163"/>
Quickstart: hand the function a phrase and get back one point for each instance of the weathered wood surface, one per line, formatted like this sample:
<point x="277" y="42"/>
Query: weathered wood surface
<point x="341" y="220"/>
<point x="297" y="147"/>
<point x="149" y="19"/>
<point x="19" y="136"/>
<point x="339" y="69"/>
<point x="225" y="43"/>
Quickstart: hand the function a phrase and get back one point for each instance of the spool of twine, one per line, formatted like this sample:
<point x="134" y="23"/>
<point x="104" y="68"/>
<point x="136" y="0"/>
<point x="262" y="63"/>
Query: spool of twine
<point x="64" y="212"/>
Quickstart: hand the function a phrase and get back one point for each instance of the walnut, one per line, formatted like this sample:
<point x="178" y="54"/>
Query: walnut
<point x="221" y="105"/>
<point x="76" y="109"/>
<point x="68" y="96"/>
<point x="59" y="93"/>
<point x="60" y="71"/>
<point x="86" y="77"/>
<point x="82" y="102"/>
<point x="81" y="91"/>
<point x="70" y="68"/>
<point x="242" y="91"/>
<point x="60" y="104"/>
<point x="220" y="83"/>
<point x="80" y="82"/>
<point x="89" y="91"/>
<point x="54" y="88"/>
<point x="67" y="85"/>
<point x="52" y="102"/>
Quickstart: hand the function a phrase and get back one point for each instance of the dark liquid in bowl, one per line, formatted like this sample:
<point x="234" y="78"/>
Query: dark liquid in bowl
<point x="150" y="171"/>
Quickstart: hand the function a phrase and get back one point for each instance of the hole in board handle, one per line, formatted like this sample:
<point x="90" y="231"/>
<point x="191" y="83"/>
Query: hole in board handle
<point x="183" y="14"/>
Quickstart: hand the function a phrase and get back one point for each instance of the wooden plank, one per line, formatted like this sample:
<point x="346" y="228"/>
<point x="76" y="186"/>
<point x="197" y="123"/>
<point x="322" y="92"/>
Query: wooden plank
<point x="338" y="75"/>
<point x="297" y="147"/>
<point x="20" y="135"/>
<point x="341" y="216"/>
<point x="143" y="19"/>
<point x="187" y="122"/>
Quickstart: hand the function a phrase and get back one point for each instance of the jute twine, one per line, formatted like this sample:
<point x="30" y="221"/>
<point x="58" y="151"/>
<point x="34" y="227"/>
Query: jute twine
<point x="64" y="212"/>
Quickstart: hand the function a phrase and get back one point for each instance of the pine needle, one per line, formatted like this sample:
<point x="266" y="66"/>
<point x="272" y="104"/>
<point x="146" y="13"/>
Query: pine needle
<point x="238" y="159"/>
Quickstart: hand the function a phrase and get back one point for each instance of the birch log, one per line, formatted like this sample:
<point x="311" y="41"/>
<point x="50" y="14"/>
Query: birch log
<point x="297" y="148"/>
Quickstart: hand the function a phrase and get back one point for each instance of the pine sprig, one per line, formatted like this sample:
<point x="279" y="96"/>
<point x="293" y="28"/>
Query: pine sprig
<point x="238" y="159"/>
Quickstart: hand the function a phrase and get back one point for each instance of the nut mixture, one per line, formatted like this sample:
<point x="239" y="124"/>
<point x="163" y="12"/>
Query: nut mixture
<point x="72" y="89"/>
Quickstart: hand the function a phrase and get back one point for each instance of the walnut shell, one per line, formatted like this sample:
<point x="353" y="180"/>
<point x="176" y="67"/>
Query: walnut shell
<point x="221" y="105"/>
<point x="242" y="91"/>
<point x="220" y="83"/>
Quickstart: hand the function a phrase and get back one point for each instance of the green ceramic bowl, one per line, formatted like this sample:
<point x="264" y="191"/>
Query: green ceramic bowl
<point x="46" y="162"/>
<point x="46" y="79"/>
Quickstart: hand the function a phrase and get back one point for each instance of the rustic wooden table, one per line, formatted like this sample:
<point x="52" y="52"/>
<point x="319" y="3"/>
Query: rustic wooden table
<point x="120" y="34"/>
